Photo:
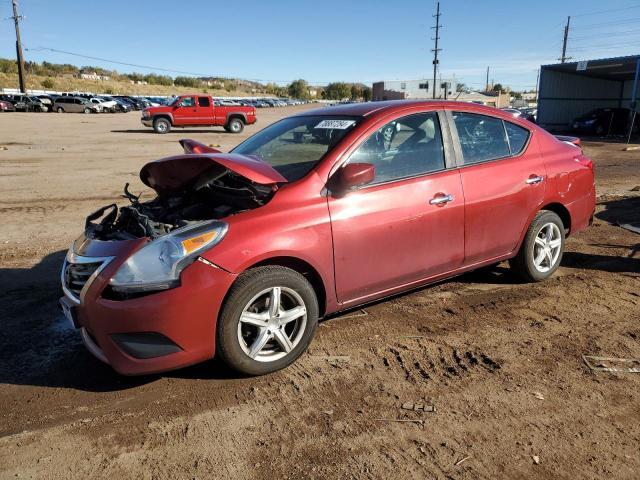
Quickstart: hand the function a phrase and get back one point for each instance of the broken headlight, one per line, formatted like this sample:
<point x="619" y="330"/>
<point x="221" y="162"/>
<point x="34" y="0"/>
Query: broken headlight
<point x="157" y="265"/>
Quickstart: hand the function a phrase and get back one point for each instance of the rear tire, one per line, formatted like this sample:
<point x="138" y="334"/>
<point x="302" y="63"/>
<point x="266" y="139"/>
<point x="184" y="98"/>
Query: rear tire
<point x="161" y="125"/>
<point x="255" y="338"/>
<point x="541" y="251"/>
<point x="235" y="125"/>
<point x="60" y="110"/>
<point x="87" y="110"/>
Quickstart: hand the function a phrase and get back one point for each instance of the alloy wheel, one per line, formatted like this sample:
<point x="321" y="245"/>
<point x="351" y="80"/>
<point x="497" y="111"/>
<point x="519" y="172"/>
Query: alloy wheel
<point x="272" y="324"/>
<point x="547" y="247"/>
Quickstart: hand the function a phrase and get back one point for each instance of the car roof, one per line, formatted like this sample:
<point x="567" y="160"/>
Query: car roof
<point x="370" y="108"/>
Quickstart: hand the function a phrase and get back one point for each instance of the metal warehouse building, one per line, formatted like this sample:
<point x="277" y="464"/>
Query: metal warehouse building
<point x="568" y="90"/>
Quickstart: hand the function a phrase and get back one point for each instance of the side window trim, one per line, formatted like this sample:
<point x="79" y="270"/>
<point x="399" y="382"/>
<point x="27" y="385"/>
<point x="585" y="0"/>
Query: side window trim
<point x="458" y="148"/>
<point x="526" y="144"/>
<point x="506" y="135"/>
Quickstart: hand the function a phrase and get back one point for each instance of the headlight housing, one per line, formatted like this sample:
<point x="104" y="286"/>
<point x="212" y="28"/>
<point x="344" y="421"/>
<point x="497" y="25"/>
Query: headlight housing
<point x="157" y="265"/>
<point x="145" y="114"/>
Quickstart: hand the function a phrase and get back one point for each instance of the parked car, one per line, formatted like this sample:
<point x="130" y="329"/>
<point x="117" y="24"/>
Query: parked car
<point x="104" y="104"/>
<point x="602" y="121"/>
<point x="121" y="105"/>
<point x="520" y="113"/>
<point x="240" y="254"/>
<point x="47" y="101"/>
<point x="26" y="103"/>
<point x="198" y="110"/>
<point x="136" y="103"/>
<point x="6" y="106"/>
<point x="68" y="104"/>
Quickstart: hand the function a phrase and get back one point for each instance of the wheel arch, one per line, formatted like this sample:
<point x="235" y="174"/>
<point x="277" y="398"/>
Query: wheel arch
<point x="162" y="115"/>
<point x="240" y="115"/>
<point x="563" y="212"/>
<point x="305" y="269"/>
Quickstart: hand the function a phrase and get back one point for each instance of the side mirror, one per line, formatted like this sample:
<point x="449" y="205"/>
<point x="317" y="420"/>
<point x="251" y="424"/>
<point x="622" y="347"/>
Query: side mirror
<point x="353" y="175"/>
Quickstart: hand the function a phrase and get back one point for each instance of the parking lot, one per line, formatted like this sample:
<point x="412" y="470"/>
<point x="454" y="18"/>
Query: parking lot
<point x="500" y="362"/>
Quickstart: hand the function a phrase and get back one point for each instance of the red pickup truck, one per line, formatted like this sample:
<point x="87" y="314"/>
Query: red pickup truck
<point x="198" y="110"/>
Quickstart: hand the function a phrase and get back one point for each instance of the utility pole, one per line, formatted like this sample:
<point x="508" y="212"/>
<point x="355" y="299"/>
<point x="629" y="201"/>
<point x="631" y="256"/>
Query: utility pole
<point x="486" y="88"/>
<point x="436" y="49"/>
<point x="16" y="19"/>
<point x="564" y="57"/>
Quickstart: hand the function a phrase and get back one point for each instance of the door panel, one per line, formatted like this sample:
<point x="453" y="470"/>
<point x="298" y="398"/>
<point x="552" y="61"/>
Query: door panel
<point x="389" y="235"/>
<point x="204" y="112"/>
<point x="501" y="194"/>
<point x="186" y="115"/>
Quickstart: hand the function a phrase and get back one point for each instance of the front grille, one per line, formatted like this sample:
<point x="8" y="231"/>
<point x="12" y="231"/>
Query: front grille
<point x="76" y="276"/>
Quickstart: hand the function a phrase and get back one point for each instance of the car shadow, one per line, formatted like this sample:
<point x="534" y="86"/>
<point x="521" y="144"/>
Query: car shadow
<point x="39" y="347"/>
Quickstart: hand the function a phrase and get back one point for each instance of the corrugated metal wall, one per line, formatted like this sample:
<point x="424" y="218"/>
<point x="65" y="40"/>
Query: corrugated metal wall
<point x="564" y="96"/>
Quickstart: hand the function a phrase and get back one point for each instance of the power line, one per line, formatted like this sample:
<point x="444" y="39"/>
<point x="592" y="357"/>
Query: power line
<point x="607" y="34"/>
<point x="588" y="47"/>
<point x="614" y="22"/>
<point x="116" y="62"/>
<point x="607" y="11"/>
<point x="167" y="70"/>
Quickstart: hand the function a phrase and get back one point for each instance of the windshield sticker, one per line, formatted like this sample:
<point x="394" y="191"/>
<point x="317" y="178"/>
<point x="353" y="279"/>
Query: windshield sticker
<point x="337" y="124"/>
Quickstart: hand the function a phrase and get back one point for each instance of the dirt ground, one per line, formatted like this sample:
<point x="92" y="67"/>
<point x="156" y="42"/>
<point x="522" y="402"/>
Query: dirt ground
<point x="500" y="361"/>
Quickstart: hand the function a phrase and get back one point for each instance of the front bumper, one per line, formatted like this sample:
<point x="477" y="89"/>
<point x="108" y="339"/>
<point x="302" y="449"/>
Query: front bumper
<point x="147" y="122"/>
<point x="153" y="333"/>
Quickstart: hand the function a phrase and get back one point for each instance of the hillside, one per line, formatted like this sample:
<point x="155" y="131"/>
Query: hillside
<point x="123" y="87"/>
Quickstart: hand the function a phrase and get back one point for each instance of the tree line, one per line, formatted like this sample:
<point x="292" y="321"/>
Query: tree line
<point x="297" y="89"/>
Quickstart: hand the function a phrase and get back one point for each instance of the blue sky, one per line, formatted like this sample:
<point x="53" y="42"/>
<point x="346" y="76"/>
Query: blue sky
<point x="350" y="40"/>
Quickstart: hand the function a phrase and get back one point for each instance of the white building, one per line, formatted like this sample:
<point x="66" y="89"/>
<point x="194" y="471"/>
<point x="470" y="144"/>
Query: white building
<point x="413" y="89"/>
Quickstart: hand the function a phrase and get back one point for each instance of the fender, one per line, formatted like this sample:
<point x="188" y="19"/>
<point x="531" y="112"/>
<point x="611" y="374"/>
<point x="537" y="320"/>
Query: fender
<point x="236" y="113"/>
<point x="162" y="114"/>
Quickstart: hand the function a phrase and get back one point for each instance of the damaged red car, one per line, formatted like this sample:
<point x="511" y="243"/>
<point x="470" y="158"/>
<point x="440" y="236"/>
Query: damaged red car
<point x="240" y="253"/>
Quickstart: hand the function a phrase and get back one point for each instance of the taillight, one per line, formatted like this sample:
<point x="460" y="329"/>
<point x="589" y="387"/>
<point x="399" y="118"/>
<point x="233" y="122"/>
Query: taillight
<point x="584" y="161"/>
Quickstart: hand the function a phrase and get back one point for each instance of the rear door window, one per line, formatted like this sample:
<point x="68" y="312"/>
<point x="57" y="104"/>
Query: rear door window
<point x="482" y="138"/>
<point x="204" y="101"/>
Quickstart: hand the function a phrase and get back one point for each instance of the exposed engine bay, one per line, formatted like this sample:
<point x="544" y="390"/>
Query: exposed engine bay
<point x="205" y="198"/>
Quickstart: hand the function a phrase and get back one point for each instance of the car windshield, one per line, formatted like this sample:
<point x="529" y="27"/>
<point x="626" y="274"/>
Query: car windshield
<point x="293" y="146"/>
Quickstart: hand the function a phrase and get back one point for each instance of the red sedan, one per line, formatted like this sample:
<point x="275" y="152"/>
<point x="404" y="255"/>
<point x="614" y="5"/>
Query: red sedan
<point x="240" y="254"/>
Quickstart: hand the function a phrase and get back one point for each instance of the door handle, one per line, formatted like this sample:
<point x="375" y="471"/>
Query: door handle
<point x="441" y="199"/>
<point x="533" y="179"/>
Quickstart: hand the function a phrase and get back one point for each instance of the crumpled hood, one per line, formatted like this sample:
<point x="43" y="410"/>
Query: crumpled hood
<point x="180" y="171"/>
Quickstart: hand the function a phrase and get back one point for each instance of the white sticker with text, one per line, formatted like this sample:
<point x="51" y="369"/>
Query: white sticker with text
<point x="337" y="124"/>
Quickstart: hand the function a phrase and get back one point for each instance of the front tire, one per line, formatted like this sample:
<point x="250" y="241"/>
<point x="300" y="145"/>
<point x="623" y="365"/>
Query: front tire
<point x="267" y="321"/>
<point x="161" y="125"/>
<point x="235" y="125"/>
<point x="60" y="110"/>
<point x="541" y="251"/>
<point x="87" y="111"/>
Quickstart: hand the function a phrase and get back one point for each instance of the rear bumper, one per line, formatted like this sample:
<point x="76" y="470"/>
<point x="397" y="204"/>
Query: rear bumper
<point x="157" y="332"/>
<point x="582" y="211"/>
